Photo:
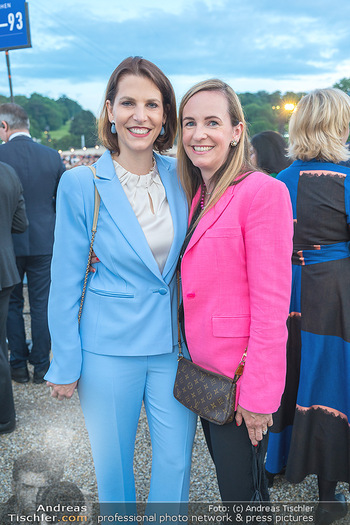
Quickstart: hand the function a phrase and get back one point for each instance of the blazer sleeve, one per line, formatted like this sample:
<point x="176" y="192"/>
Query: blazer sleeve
<point x="69" y="260"/>
<point x="61" y="169"/>
<point x="19" y="219"/>
<point x="268" y="243"/>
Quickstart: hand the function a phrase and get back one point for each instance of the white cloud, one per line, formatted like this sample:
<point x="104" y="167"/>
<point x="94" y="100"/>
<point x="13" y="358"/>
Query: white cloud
<point x="107" y="10"/>
<point x="252" y="44"/>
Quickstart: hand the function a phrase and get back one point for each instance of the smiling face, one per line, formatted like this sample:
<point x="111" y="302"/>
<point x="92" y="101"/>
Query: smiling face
<point x="138" y="114"/>
<point x="208" y="132"/>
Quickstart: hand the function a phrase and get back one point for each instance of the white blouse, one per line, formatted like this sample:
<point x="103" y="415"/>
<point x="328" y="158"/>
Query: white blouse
<point x="147" y="197"/>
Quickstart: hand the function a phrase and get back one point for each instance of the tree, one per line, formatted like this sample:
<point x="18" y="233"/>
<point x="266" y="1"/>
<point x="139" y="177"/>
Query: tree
<point x="45" y="112"/>
<point x="291" y="98"/>
<point x="344" y="85"/>
<point x="84" y="123"/>
<point x="260" y="117"/>
<point x="66" y="142"/>
<point x="69" y="107"/>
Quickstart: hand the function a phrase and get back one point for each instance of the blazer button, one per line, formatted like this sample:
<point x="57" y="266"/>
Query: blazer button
<point x="191" y="295"/>
<point x="162" y="291"/>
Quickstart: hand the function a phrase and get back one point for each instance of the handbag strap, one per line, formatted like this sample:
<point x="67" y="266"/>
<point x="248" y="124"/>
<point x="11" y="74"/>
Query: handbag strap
<point x="93" y="233"/>
<point x="240" y="367"/>
<point x="178" y="278"/>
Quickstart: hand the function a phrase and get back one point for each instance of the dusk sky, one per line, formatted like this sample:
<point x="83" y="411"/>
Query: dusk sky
<point x="251" y="44"/>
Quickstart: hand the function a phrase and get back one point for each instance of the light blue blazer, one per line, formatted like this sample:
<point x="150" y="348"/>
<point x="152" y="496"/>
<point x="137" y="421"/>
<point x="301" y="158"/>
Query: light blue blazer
<point x="130" y="307"/>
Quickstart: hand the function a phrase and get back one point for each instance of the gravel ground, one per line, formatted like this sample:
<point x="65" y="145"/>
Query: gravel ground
<point x="44" y="423"/>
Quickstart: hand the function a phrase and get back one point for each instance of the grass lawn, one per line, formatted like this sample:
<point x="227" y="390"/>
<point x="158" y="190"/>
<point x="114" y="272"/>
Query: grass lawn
<point x="59" y="133"/>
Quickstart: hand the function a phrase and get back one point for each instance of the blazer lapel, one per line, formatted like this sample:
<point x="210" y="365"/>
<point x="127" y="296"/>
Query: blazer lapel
<point x="210" y="217"/>
<point x="178" y="209"/>
<point x="121" y="212"/>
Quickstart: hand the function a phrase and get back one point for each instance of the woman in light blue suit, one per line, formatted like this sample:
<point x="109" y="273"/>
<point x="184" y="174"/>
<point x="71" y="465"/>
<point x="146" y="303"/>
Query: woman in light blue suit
<point x="125" y="349"/>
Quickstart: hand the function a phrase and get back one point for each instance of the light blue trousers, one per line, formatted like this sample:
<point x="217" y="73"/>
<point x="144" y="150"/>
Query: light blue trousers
<point x="111" y="391"/>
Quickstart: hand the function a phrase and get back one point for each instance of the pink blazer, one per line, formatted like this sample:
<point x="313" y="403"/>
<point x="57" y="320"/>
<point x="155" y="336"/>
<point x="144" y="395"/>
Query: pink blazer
<point x="236" y="282"/>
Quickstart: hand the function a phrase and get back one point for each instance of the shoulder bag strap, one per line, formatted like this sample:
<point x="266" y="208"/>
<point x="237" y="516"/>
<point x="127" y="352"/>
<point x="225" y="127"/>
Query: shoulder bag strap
<point x="178" y="283"/>
<point x="93" y="233"/>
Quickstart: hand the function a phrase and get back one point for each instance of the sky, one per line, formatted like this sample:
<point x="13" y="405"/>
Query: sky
<point x="253" y="45"/>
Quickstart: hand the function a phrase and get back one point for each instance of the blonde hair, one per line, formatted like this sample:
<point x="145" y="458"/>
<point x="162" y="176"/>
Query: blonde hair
<point x="317" y="125"/>
<point x="237" y="161"/>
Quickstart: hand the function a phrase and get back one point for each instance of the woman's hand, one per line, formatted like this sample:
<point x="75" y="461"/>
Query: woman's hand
<point x="257" y="424"/>
<point x="62" y="391"/>
<point x="94" y="260"/>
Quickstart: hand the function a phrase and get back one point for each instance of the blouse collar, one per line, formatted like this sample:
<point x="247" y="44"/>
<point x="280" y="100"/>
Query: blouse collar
<point x="129" y="179"/>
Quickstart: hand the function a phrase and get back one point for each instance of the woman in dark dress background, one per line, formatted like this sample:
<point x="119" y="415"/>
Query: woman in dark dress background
<point x="311" y="433"/>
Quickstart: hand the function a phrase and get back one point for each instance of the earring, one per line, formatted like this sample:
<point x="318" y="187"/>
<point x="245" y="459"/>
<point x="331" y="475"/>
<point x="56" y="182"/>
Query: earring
<point x="233" y="143"/>
<point x="113" y="130"/>
<point x="162" y="131"/>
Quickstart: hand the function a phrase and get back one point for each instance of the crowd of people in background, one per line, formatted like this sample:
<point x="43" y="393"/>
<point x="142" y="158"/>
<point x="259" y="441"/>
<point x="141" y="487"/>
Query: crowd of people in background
<point x="257" y="231"/>
<point x="72" y="160"/>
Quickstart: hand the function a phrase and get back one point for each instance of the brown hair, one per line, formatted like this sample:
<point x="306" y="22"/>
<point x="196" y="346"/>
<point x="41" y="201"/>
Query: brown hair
<point x="238" y="160"/>
<point x="144" y="68"/>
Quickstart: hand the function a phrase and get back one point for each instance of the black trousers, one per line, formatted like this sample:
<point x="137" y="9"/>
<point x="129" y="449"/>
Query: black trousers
<point x="7" y="408"/>
<point x="37" y="269"/>
<point x="235" y="458"/>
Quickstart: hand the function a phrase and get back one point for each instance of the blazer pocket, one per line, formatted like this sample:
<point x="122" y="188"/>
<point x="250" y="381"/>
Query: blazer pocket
<point x="106" y="293"/>
<point x="238" y="326"/>
<point x="223" y="232"/>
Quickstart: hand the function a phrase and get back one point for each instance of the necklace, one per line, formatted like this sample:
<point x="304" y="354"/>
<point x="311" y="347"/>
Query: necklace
<point x="202" y="197"/>
<point x="204" y="193"/>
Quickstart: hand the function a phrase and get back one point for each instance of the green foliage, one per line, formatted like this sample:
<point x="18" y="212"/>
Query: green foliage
<point x="68" y="107"/>
<point x="265" y="111"/>
<point x="260" y="125"/>
<point x="61" y="123"/>
<point x="344" y="85"/>
<point x="275" y="98"/>
<point x="59" y="133"/>
<point x="48" y="116"/>
<point x="66" y="142"/>
<point x="260" y="117"/>
<point x="258" y="111"/>
<point x="84" y="123"/>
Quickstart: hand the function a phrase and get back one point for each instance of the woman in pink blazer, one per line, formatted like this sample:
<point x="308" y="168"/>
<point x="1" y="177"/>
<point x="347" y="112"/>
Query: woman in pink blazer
<point x="236" y="275"/>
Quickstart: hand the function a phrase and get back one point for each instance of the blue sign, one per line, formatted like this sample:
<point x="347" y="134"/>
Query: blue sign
<point x="14" y="25"/>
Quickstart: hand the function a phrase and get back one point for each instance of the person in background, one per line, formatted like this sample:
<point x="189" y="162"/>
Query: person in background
<point x="311" y="433"/>
<point x="124" y="352"/>
<point x="236" y="276"/>
<point x="347" y="162"/>
<point x="39" y="169"/>
<point x="13" y="219"/>
<point x="268" y="152"/>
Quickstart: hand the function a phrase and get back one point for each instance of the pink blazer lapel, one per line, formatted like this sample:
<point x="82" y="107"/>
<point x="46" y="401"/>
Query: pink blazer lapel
<point x="210" y="217"/>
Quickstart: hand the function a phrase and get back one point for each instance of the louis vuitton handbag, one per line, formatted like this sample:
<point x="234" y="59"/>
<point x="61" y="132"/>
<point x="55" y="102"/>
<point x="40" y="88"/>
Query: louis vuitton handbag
<point x="212" y="396"/>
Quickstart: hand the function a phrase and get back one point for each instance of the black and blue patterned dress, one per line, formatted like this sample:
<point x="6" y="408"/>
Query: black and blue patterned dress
<point x="311" y="432"/>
